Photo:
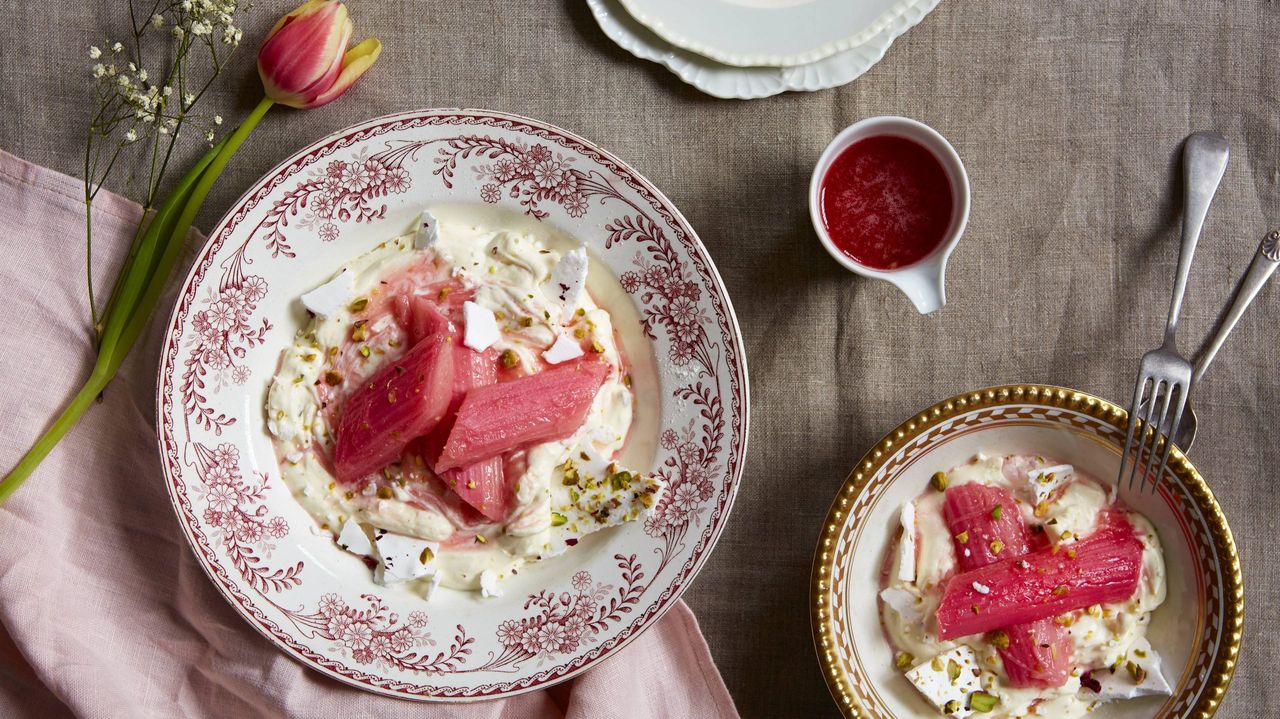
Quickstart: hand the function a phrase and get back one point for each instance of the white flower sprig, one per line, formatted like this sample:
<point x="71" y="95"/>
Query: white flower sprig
<point x="147" y="89"/>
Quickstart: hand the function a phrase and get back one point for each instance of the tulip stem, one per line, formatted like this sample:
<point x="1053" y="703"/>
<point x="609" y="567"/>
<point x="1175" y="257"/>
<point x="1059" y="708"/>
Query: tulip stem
<point x="144" y="280"/>
<point x="146" y="305"/>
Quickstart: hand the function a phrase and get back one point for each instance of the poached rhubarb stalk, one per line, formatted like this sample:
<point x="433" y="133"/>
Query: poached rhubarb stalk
<point x="480" y="484"/>
<point x="985" y="525"/>
<point x="533" y="409"/>
<point x="1101" y="568"/>
<point x="402" y="402"/>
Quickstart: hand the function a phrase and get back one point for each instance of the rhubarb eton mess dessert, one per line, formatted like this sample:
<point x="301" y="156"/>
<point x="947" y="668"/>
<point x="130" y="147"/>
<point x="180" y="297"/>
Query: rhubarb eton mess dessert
<point x="1021" y="588"/>
<point x="455" y="407"/>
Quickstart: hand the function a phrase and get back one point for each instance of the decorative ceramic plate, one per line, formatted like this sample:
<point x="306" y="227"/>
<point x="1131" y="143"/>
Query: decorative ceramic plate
<point x="746" y="83"/>
<point x="766" y="32"/>
<point x="237" y="309"/>
<point x="1197" y="631"/>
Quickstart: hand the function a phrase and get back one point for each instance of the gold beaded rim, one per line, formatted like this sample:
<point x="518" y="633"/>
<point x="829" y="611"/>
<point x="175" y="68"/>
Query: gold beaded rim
<point x="1211" y="689"/>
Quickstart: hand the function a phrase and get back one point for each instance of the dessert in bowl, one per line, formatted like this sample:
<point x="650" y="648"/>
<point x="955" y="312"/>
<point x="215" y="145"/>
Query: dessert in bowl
<point x="1147" y="625"/>
<point x="458" y="404"/>
<point x="284" y="322"/>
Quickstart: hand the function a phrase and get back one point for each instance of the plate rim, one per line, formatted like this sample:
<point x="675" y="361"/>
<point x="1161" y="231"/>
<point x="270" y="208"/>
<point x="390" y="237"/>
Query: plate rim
<point x="740" y="59"/>
<point x="1222" y="669"/>
<point x="666" y="597"/>
<point x="690" y="70"/>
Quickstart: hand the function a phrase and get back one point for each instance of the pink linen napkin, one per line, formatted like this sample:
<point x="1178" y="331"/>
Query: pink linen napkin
<point x="104" y="610"/>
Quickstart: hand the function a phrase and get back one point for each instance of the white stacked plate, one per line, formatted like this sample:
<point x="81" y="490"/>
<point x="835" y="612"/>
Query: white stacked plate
<point x="747" y="49"/>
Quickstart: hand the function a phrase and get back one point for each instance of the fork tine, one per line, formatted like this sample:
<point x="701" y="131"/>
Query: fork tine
<point x="1168" y="438"/>
<point x="1133" y="423"/>
<point x="1162" y="390"/>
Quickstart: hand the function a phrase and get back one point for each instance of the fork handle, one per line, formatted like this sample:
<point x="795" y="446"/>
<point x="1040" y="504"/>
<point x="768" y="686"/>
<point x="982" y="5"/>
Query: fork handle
<point x="1204" y="160"/>
<point x="1265" y="262"/>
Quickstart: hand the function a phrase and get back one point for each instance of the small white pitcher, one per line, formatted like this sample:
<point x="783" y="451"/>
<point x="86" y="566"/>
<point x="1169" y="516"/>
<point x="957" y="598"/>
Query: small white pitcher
<point x="923" y="281"/>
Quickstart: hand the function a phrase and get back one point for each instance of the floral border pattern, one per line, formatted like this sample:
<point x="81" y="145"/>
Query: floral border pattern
<point x="555" y="625"/>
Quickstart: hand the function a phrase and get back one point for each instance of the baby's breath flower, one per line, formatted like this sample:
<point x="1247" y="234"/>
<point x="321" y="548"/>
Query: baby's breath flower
<point x="199" y="28"/>
<point x="217" y="119"/>
<point x="99" y="70"/>
<point x="142" y="74"/>
<point x="133" y="68"/>
<point x="131" y="135"/>
<point x="163" y="130"/>
<point x="117" y="47"/>
<point x="188" y="99"/>
<point x="209" y="136"/>
<point x="94" y="52"/>
<point x="167" y="91"/>
<point x="157" y="20"/>
<point x="177" y="32"/>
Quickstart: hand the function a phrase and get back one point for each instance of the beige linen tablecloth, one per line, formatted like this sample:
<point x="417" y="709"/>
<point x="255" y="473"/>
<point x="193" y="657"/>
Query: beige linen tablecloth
<point x="1068" y="116"/>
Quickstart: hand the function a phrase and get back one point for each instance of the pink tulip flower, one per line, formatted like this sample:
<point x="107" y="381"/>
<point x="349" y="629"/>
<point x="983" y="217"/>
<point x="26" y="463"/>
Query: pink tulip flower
<point x="305" y="63"/>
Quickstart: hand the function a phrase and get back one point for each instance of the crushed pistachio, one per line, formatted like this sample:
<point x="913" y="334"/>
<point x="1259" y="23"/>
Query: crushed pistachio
<point x="951" y="707"/>
<point x="385" y="493"/>
<point x="579" y="333"/>
<point x="444" y="292"/>
<point x="332" y="377"/>
<point x="996" y="546"/>
<point x="597" y="347"/>
<point x="626" y="381"/>
<point x="936" y="664"/>
<point x="939" y="481"/>
<point x="1060" y="590"/>
<point x="359" y="303"/>
<point x="426" y="556"/>
<point x="963" y="537"/>
<point x="558" y="519"/>
<point x="1042" y="508"/>
<point x="982" y="701"/>
<point x="526" y="321"/>
<point x="997" y="512"/>
<point x="350" y="495"/>
<point x="360" y="331"/>
<point x="904" y="660"/>
<point x="1138" y="673"/>
<point x="998" y="639"/>
<point x="953" y="670"/>
<point x="364" y="351"/>
<point x="510" y="358"/>
<point x="620" y="480"/>
<point x="481" y="539"/>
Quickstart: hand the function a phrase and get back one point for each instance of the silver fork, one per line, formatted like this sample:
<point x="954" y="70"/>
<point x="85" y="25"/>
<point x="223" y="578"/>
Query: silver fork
<point x="1165" y="374"/>
<point x="1265" y="261"/>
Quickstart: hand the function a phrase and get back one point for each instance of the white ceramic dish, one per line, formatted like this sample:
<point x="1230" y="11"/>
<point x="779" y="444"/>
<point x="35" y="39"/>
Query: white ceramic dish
<point x="924" y="282"/>
<point x="334" y="200"/>
<point x="765" y="32"/>
<point x="747" y="83"/>
<point x="1197" y="631"/>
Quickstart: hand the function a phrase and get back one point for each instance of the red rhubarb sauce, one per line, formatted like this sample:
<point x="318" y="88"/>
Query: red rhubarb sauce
<point x="886" y="202"/>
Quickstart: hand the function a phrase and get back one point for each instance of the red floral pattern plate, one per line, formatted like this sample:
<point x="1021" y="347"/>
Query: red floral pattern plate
<point x="336" y="199"/>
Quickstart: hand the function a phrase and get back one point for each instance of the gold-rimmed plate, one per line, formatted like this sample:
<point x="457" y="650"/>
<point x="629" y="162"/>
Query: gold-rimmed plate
<point x="1197" y="631"/>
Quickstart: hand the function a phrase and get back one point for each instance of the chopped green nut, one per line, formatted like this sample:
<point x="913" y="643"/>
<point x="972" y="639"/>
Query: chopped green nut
<point x="939" y="481"/>
<point x="998" y="639"/>
<point x="982" y="701"/>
